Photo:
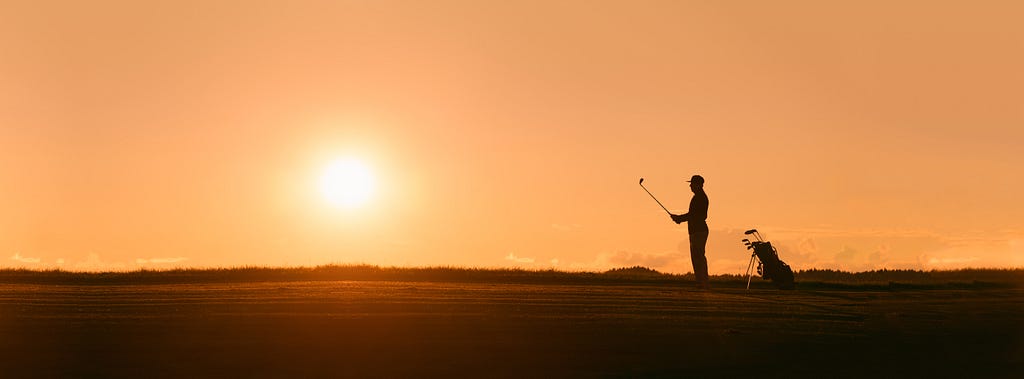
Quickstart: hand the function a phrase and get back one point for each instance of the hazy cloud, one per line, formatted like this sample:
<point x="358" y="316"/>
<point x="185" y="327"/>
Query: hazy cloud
<point x="664" y="262"/>
<point x="847" y="254"/>
<point x="807" y="246"/>
<point x="1016" y="253"/>
<point x="143" y="261"/>
<point x="723" y="265"/>
<point x="825" y="248"/>
<point x="725" y="254"/>
<point x="94" y="263"/>
<point x="512" y="257"/>
<point x="19" y="258"/>
<point x="821" y="232"/>
<point x="966" y="257"/>
<point x="652" y="260"/>
<point x="868" y="249"/>
<point x="933" y="261"/>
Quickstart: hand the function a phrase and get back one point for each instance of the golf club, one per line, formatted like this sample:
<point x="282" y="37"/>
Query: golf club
<point x="652" y="196"/>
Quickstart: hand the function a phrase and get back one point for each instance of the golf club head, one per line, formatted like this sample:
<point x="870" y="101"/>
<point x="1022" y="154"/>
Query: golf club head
<point x="751" y="231"/>
<point x="641" y="181"/>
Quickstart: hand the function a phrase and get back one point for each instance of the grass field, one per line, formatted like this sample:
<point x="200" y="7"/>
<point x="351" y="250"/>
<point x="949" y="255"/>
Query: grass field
<point x="447" y="322"/>
<point x="970" y="278"/>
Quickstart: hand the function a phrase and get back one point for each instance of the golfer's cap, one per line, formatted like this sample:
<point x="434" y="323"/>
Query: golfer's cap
<point x="696" y="179"/>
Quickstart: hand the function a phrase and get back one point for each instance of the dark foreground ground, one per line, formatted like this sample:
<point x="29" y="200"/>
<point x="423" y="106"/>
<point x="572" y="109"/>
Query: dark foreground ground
<point x="430" y="329"/>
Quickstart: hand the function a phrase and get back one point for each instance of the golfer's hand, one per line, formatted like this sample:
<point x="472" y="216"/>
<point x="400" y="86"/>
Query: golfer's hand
<point x="678" y="218"/>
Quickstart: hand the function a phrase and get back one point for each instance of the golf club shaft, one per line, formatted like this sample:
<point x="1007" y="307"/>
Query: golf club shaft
<point x="655" y="199"/>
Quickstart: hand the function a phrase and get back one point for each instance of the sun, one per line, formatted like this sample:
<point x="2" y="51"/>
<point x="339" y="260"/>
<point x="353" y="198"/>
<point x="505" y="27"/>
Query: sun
<point x="347" y="183"/>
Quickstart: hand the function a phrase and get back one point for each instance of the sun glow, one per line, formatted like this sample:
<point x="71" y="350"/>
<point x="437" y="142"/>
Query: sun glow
<point x="347" y="183"/>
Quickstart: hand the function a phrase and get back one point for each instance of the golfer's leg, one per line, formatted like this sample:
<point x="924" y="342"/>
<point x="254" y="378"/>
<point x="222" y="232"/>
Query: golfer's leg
<point x="697" y="257"/>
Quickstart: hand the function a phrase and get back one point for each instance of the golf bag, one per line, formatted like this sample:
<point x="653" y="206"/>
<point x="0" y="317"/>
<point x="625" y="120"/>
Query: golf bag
<point x="769" y="266"/>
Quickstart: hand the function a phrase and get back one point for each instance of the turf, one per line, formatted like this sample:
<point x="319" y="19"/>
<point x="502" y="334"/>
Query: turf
<point x="498" y="324"/>
<point x="969" y="278"/>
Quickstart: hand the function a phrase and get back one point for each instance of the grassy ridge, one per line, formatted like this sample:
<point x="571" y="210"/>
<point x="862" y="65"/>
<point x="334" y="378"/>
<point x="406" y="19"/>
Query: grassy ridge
<point x="809" y="279"/>
<point x="332" y="272"/>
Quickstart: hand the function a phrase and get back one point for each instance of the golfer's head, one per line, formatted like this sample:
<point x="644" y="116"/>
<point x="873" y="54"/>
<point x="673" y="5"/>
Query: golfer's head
<point x="696" y="182"/>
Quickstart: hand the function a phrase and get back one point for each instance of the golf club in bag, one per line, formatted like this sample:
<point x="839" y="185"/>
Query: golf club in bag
<point x="769" y="266"/>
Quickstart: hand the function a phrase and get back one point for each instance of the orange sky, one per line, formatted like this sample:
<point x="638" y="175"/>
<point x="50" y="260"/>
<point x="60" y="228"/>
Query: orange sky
<point x="192" y="133"/>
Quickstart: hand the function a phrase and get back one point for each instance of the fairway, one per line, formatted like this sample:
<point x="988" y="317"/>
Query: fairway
<point x="431" y="329"/>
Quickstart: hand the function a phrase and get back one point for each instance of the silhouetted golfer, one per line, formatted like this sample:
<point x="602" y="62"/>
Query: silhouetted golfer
<point x="696" y="219"/>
